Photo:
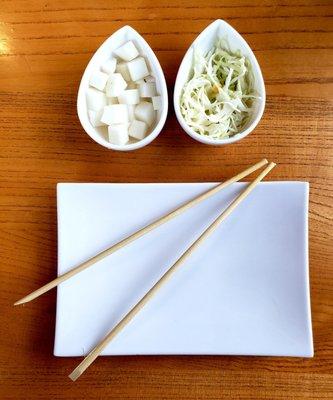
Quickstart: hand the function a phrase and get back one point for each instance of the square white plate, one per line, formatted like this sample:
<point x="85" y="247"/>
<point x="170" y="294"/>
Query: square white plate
<point x="244" y="291"/>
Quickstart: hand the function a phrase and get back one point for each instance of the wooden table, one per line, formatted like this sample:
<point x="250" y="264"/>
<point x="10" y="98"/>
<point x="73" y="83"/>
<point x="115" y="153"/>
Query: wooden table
<point x="44" y="48"/>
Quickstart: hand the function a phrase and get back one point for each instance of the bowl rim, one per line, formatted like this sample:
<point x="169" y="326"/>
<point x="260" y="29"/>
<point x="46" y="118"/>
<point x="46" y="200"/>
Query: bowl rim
<point x="261" y="89"/>
<point x="84" y="85"/>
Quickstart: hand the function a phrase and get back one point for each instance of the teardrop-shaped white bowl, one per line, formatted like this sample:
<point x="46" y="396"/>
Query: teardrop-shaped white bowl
<point x="203" y="43"/>
<point x="103" y="53"/>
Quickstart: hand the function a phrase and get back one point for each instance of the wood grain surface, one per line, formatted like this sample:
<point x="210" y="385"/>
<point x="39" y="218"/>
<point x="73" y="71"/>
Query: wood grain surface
<point x="44" y="48"/>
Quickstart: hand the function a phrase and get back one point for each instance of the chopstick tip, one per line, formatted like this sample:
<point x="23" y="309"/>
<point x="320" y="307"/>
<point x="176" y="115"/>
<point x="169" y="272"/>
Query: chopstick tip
<point x="18" y="302"/>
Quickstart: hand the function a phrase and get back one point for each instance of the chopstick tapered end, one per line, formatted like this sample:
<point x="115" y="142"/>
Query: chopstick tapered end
<point x="21" y="301"/>
<point x="38" y="292"/>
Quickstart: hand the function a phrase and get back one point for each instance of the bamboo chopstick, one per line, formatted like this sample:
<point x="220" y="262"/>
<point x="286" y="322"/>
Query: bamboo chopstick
<point x="139" y="233"/>
<point x="89" y="359"/>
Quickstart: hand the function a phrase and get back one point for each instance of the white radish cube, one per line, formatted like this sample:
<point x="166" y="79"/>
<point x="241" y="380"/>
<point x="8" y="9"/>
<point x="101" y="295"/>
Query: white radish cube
<point x="145" y="112"/>
<point x="127" y="51"/>
<point x="140" y="82"/>
<point x="96" y="100"/>
<point x="109" y="66"/>
<point x="115" y="85"/>
<point x="112" y="100"/>
<point x="149" y="78"/>
<point x="131" y="85"/>
<point x="122" y="69"/>
<point x="130" y="96"/>
<point x="138" y="129"/>
<point x="95" y="117"/>
<point x="130" y="112"/>
<point x="115" y="114"/>
<point x="118" y="134"/>
<point x="98" y="80"/>
<point x="157" y="102"/>
<point x="137" y="68"/>
<point x="147" y="89"/>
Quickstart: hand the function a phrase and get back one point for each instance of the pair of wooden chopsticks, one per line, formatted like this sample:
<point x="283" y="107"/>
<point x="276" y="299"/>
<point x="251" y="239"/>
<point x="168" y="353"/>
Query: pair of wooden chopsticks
<point x="130" y="315"/>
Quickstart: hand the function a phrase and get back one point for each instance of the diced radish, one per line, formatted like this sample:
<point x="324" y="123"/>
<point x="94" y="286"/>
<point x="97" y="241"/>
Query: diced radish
<point x="118" y="134"/>
<point x="147" y="89"/>
<point x="115" y="114"/>
<point x="127" y="51"/>
<point x="157" y="102"/>
<point x="112" y="100"/>
<point x="113" y="97"/>
<point x="144" y="111"/>
<point x="129" y="97"/>
<point x="130" y="108"/>
<point x="149" y="78"/>
<point x="137" y="129"/>
<point x="131" y="85"/>
<point x="95" y="117"/>
<point x="123" y="70"/>
<point x="109" y="66"/>
<point x="115" y="85"/>
<point x="98" y="80"/>
<point x="137" y="68"/>
<point x="96" y="100"/>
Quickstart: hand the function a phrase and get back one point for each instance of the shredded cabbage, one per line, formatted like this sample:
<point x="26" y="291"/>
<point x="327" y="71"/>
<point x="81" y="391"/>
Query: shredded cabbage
<point x="217" y="100"/>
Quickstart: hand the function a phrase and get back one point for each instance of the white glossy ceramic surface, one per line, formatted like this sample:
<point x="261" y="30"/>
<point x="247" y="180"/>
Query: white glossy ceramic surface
<point x="245" y="291"/>
<point x="103" y="53"/>
<point x="203" y="43"/>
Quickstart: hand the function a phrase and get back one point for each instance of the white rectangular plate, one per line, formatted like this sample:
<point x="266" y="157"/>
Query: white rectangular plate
<point x="244" y="291"/>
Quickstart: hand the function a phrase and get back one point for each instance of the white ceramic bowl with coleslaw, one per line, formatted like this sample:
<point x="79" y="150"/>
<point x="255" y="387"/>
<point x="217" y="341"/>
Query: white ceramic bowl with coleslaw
<point x="207" y="39"/>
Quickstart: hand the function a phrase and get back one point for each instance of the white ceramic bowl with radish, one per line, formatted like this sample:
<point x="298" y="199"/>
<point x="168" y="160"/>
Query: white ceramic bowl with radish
<point x="122" y="101"/>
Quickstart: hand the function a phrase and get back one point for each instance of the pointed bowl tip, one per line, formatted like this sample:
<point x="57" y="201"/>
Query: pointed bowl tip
<point x="102" y="54"/>
<point x="203" y="43"/>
